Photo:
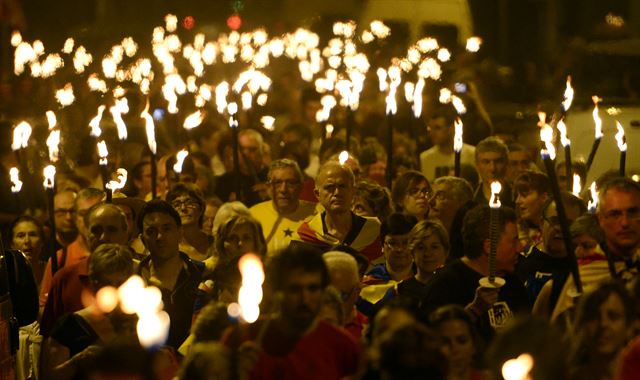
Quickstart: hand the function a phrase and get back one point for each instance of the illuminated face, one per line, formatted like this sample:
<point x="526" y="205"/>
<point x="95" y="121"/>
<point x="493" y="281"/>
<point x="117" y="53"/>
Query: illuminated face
<point x="64" y="212"/>
<point x="161" y="235"/>
<point x="241" y="240"/>
<point x="609" y="328"/>
<point x="492" y="166"/>
<point x="619" y="218"/>
<point x="302" y="297"/>
<point x="396" y="254"/>
<point x="444" y="204"/>
<point x="507" y="249"/>
<point x="335" y="190"/>
<point x="285" y="189"/>
<point x="105" y="227"/>
<point x="530" y="204"/>
<point x="429" y="254"/>
<point x="143" y="184"/>
<point x="585" y="245"/>
<point x="551" y="232"/>
<point x="458" y="344"/>
<point x="26" y="238"/>
<point x="188" y="209"/>
<point x="416" y="200"/>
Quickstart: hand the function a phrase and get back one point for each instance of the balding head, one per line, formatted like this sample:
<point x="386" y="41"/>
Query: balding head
<point x="335" y="187"/>
<point x="106" y="223"/>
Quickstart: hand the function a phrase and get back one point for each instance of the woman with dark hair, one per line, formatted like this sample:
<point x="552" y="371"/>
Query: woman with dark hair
<point x="411" y="193"/>
<point x="602" y="329"/>
<point x="27" y="237"/>
<point x="531" y="190"/>
<point x="460" y="343"/>
<point x="187" y="200"/>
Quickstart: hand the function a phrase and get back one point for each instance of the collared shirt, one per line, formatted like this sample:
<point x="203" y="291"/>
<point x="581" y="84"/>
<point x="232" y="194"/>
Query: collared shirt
<point x="178" y="302"/>
<point x="76" y="251"/>
<point x="279" y="230"/>
<point x="364" y="235"/>
<point x="67" y="287"/>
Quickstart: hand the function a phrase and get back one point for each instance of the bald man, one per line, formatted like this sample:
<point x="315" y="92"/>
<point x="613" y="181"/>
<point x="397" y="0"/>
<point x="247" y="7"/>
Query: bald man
<point x="337" y="225"/>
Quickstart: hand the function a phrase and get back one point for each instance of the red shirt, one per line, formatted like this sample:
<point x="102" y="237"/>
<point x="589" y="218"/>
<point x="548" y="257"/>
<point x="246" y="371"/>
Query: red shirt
<point x="65" y="296"/>
<point x="356" y="325"/>
<point x="324" y="353"/>
<point x="76" y="251"/>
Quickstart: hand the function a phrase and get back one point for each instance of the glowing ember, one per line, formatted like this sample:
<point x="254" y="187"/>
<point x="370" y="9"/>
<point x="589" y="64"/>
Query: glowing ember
<point x="620" y="138"/>
<point x="568" y="95"/>
<point x="68" y="46"/>
<point x="51" y="119"/>
<point x="250" y="294"/>
<point x="95" y="123"/>
<point x="379" y="29"/>
<point x="16" y="184"/>
<point x="171" y="23"/>
<point x="53" y="142"/>
<point x="458" y="105"/>
<point x="49" y="173"/>
<point x="444" y="55"/>
<point x="180" y="156"/>
<point x="16" y="38"/>
<point x="445" y="96"/>
<point x="457" y="138"/>
<point x="496" y="188"/>
<point x="473" y="44"/>
<point x="596" y="117"/>
<point x="193" y="120"/>
<point x="21" y="134"/>
<point x="343" y="157"/>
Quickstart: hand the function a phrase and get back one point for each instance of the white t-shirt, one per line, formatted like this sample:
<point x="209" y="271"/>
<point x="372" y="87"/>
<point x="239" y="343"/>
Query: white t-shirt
<point x="434" y="163"/>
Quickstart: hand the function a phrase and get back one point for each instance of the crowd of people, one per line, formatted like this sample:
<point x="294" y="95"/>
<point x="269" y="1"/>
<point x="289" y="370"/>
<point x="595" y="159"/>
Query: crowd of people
<point x="364" y="278"/>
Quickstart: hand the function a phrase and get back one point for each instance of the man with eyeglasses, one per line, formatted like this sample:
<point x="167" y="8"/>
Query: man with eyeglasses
<point x="548" y="259"/>
<point x="380" y="283"/>
<point x="78" y="249"/>
<point x="619" y="217"/>
<point x="281" y="216"/>
<point x="337" y="224"/>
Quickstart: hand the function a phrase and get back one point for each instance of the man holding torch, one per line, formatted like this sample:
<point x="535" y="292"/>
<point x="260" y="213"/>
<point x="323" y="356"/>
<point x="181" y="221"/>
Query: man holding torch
<point x="457" y="282"/>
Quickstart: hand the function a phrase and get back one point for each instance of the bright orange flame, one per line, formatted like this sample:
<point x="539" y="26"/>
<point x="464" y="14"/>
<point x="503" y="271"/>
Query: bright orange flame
<point x="16" y="184"/>
<point x="568" y="95"/>
<point x="150" y="129"/>
<point x="180" y="156"/>
<point x="593" y="202"/>
<point x="457" y="138"/>
<point x="562" y="128"/>
<point x="577" y="187"/>
<point x="193" y="120"/>
<point x="49" y="173"/>
<point x="494" y="201"/>
<point x="250" y="294"/>
<point x="596" y="118"/>
<point x="620" y="139"/>
<point x="546" y="136"/>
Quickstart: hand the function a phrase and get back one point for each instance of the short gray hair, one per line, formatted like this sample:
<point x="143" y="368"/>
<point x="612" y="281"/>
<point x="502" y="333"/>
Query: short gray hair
<point x="285" y="163"/>
<point x="459" y="187"/>
<point x="492" y="144"/>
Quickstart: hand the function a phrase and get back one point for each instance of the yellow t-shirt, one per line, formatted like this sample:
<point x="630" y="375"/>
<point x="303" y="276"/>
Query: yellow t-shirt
<point x="279" y="230"/>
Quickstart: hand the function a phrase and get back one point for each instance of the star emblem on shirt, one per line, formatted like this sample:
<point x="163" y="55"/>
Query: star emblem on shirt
<point x="288" y="232"/>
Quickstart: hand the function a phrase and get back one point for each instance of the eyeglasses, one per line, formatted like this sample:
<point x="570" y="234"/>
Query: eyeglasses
<point x="64" y="211"/>
<point x="416" y="192"/>
<point x="180" y="204"/>
<point x="287" y="183"/>
<point x="396" y="245"/>
<point x="632" y="214"/>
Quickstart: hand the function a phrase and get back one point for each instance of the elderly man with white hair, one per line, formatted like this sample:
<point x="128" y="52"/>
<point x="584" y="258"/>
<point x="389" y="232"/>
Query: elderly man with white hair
<point x="344" y="277"/>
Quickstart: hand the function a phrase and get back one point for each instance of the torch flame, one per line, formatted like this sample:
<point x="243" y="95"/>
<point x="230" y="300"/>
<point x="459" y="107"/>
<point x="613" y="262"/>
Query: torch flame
<point x="620" y="139"/>
<point x="518" y="368"/>
<point x="16" y="184"/>
<point x="250" y="294"/>
<point x="267" y="122"/>
<point x="496" y="188"/>
<point x="150" y="129"/>
<point x="120" y="182"/>
<point x="596" y="118"/>
<point x="593" y="202"/>
<point x="49" y="176"/>
<point x="53" y="142"/>
<point x="21" y="134"/>
<point x="180" y="156"/>
<point x="457" y="138"/>
<point x="473" y="44"/>
<point x="343" y="157"/>
<point x="95" y="123"/>
<point x="577" y="187"/>
<point x="193" y="120"/>
<point x="103" y="152"/>
<point x="65" y="95"/>
<point x="121" y="106"/>
<point x="458" y="105"/>
<point x="568" y="95"/>
<point x="51" y="119"/>
<point x="546" y="136"/>
<point x="445" y="95"/>
<point x="562" y="128"/>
